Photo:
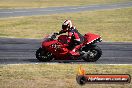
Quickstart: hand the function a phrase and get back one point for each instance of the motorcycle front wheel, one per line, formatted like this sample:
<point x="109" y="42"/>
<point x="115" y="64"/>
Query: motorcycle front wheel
<point x="43" y="55"/>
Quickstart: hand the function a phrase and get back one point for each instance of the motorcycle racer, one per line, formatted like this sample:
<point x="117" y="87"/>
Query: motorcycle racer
<point x="73" y="46"/>
<point x="74" y="37"/>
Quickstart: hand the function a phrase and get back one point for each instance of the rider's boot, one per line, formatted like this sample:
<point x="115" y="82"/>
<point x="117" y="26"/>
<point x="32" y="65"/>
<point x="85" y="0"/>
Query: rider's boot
<point x="74" y="51"/>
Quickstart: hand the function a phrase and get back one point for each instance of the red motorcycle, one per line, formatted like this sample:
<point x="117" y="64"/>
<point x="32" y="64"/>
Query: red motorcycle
<point x="58" y="48"/>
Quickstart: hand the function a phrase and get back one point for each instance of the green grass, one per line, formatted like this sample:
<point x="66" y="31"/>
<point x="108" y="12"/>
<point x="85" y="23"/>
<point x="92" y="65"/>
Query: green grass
<point x="56" y="75"/>
<point x="51" y="3"/>
<point x="112" y="25"/>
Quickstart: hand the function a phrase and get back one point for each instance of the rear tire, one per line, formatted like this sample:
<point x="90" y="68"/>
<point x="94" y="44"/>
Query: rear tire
<point x="93" y="53"/>
<point x="43" y="56"/>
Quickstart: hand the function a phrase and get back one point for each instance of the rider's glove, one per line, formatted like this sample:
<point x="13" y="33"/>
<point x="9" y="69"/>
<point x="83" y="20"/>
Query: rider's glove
<point x="56" y="33"/>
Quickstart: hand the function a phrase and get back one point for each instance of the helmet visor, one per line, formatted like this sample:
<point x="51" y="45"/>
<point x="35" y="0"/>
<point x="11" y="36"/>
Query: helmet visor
<point x="64" y="27"/>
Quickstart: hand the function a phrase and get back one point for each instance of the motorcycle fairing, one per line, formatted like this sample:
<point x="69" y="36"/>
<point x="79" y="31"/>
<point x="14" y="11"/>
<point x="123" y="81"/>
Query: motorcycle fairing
<point x="89" y="37"/>
<point x="56" y="48"/>
<point x="63" y="39"/>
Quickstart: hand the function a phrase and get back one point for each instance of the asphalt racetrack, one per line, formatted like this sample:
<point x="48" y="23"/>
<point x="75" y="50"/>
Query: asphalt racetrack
<point x="4" y="13"/>
<point x="15" y="51"/>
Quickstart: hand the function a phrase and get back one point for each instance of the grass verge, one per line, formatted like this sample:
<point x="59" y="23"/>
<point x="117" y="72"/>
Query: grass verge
<point x="56" y="75"/>
<point x="51" y="3"/>
<point x="112" y="25"/>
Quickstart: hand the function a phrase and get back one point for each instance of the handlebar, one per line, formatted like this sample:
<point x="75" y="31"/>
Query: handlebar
<point x="54" y="35"/>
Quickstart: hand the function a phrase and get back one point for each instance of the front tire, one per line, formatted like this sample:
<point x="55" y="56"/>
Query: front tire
<point x="92" y="54"/>
<point x="43" y="55"/>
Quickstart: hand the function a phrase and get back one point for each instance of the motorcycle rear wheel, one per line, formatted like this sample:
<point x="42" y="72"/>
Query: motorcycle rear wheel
<point x="43" y="56"/>
<point x="92" y="54"/>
